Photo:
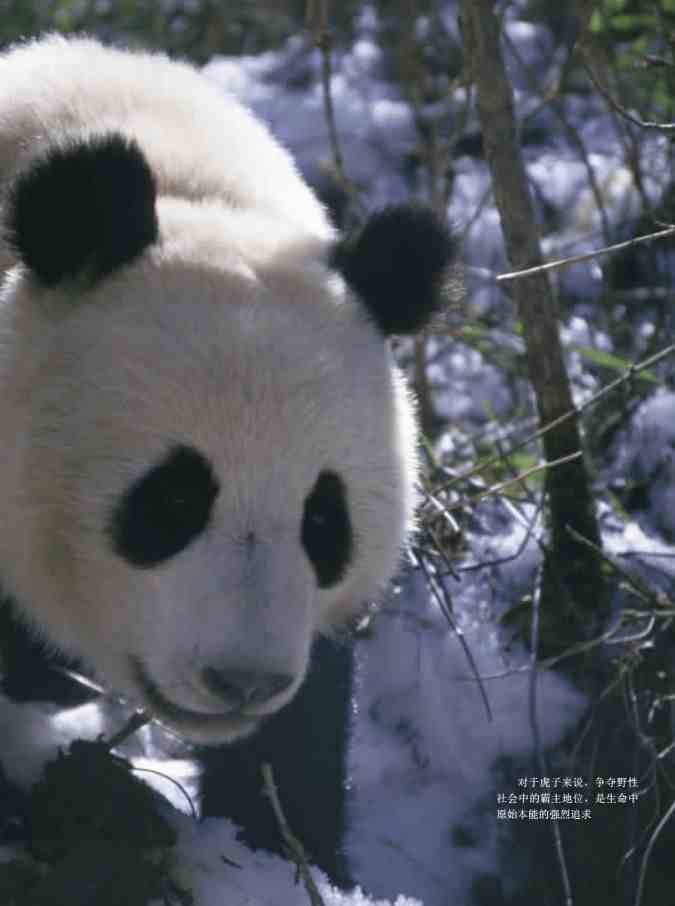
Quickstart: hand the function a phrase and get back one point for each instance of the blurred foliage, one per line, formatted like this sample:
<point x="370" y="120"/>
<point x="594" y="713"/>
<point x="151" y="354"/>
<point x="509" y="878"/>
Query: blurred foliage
<point x="634" y="20"/>
<point x="638" y="38"/>
<point x="196" y="29"/>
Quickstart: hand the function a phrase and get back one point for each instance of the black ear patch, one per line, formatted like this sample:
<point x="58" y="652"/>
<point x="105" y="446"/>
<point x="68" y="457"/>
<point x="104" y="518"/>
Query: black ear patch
<point x="395" y="263"/>
<point x="83" y="209"/>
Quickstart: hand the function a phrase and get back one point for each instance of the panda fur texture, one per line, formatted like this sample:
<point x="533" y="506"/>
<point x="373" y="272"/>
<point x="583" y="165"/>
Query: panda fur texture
<point x="208" y="456"/>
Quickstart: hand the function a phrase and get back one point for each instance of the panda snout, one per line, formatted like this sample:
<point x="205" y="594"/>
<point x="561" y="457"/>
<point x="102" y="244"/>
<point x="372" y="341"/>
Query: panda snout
<point x="244" y="694"/>
<point x="243" y="688"/>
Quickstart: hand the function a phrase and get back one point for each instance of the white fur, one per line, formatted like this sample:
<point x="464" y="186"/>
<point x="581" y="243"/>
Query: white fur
<point x="232" y="335"/>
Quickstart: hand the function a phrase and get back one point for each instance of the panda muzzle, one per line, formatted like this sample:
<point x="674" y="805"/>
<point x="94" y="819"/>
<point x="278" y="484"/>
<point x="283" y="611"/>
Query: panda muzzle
<point x="243" y="694"/>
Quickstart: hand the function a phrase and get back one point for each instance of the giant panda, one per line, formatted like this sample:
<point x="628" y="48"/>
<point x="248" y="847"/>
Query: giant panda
<point x="208" y="456"/>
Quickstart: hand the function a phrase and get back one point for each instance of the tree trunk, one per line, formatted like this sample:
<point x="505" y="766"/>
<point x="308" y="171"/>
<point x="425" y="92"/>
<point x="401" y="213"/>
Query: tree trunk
<point x="572" y="585"/>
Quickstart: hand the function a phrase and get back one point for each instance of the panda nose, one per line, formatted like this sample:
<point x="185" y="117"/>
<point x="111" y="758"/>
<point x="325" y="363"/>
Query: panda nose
<point x="245" y="687"/>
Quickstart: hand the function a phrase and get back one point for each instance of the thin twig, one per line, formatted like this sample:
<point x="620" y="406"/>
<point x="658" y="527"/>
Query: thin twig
<point x="574" y="259"/>
<point x="322" y="40"/>
<point x="440" y="593"/>
<point x="137" y="720"/>
<point x="652" y="597"/>
<point x="648" y="851"/>
<point x="615" y="105"/>
<point x="295" y="849"/>
<point x="609" y="637"/>
<point x="627" y="376"/>
<point x="193" y="811"/>
<point x="550" y="99"/>
<point x="497" y="488"/>
<point x="533" y="717"/>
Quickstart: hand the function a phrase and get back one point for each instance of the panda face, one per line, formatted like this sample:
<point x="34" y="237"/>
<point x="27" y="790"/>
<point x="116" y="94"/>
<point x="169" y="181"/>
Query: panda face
<point x="199" y="514"/>
<point x="167" y="510"/>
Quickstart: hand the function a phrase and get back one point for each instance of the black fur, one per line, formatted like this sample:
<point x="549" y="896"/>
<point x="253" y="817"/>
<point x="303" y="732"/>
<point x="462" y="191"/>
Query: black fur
<point x="395" y="263"/>
<point x="83" y="209"/>
<point x="27" y="665"/>
<point x="326" y="532"/>
<point x="306" y="744"/>
<point x="165" y="509"/>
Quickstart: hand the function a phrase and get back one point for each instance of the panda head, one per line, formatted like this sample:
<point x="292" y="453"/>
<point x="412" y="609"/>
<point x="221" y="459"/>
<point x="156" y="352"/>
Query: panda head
<point x="215" y="456"/>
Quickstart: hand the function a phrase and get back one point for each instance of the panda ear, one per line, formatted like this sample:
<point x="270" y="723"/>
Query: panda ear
<point x="395" y="263"/>
<point x="82" y="209"/>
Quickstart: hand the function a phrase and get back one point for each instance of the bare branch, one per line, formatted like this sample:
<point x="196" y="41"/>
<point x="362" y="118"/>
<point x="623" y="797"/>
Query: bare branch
<point x="137" y="720"/>
<point x="549" y="98"/>
<point x="613" y="103"/>
<point x="317" y="20"/>
<point x="296" y="850"/>
<point x="627" y="376"/>
<point x="516" y="479"/>
<point x="586" y="256"/>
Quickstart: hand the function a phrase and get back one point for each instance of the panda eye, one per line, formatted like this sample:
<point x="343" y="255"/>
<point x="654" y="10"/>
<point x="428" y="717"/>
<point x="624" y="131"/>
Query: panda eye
<point x="164" y="510"/>
<point x="326" y="533"/>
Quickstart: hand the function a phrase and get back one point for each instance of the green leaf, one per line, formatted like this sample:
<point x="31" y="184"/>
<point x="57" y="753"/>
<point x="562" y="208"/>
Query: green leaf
<point x="613" y="362"/>
<point x="632" y="22"/>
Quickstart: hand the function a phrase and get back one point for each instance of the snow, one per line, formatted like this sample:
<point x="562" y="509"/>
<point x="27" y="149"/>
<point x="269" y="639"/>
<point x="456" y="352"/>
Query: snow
<point x="647" y="457"/>
<point x="260" y="880"/>
<point x="424" y="746"/>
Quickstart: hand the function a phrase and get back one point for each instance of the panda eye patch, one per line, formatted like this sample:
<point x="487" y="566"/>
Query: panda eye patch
<point x="326" y="533"/>
<point x="165" y="509"/>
